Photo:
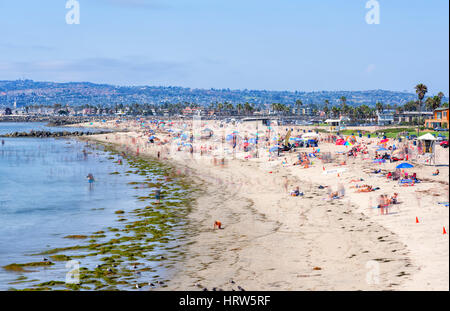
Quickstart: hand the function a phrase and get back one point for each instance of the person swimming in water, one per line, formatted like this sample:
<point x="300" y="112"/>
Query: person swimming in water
<point x="158" y="195"/>
<point x="91" y="179"/>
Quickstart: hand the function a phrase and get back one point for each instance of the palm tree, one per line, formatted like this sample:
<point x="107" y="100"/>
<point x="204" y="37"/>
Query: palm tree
<point x="344" y="101"/>
<point x="379" y="106"/>
<point x="335" y="111"/>
<point x="298" y="104"/>
<point x="239" y="108"/>
<point x="220" y="107"/>
<point x="327" y="103"/>
<point x="248" y="108"/>
<point x="421" y="90"/>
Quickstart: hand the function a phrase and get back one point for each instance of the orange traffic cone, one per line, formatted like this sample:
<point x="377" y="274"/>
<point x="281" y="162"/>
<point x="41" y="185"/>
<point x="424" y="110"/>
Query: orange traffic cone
<point x="444" y="232"/>
<point x="417" y="220"/>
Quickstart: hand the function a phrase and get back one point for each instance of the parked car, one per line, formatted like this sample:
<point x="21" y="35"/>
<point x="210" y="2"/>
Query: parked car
<point x="444" y="144"/>
<point x="440" y="129"/>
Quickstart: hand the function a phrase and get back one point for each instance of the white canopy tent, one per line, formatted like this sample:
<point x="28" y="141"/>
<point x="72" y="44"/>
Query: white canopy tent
<point x="427" y="136"/>
<point x="427" y="142"/>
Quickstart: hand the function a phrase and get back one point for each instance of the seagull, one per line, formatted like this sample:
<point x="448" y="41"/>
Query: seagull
<point x="241" y="289"/>
<point x="44" y="259"/>
<point x="232" y="282"/>
<point x="137" y="286"/>
<point x="205" y="289"/>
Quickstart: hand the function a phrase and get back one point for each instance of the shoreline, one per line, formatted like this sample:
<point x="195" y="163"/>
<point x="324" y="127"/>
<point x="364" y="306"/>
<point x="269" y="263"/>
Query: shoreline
<point x="216" y="257"/>
<point x="272" y="241"/>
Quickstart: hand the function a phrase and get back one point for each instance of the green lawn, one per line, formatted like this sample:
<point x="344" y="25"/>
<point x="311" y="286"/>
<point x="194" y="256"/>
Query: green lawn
<point x="394" y="132"/>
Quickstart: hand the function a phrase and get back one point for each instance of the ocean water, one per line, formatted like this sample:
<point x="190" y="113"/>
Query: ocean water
<point x="45" y="196"/>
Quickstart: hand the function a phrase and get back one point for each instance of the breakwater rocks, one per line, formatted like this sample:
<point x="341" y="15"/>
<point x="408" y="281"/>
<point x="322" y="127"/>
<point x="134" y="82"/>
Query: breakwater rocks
<point x="48" y="134"/>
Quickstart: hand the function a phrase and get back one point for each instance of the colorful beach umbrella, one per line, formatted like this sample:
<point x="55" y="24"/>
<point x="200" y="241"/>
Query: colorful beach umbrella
<point x="405" y="165"/>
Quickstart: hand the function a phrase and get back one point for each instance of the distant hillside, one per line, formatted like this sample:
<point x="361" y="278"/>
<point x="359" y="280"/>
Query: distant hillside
<point x="28" y="92"/>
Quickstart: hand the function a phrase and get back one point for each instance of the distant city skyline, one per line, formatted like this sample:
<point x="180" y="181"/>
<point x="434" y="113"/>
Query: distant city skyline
<point x="255" y="45"/>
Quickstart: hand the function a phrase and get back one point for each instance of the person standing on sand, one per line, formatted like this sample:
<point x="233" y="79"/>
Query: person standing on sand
<point x="286" y="184"/>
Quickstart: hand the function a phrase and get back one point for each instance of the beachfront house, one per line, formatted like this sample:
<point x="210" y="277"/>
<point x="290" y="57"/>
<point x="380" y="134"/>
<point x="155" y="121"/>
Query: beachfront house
<point x="336" y="125"/>
<point x="440" y="119"/>
<point x="411" y="116"/>
<point x="385" y="117"/>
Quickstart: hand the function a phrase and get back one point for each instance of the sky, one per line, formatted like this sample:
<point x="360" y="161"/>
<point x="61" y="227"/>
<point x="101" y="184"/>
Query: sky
<point x="247" y="44"/>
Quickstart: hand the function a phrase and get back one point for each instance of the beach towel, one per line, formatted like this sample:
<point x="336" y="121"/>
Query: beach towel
<point x="405" y="181"/>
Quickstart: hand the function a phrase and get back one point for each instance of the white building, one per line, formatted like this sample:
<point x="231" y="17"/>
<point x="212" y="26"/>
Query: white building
<point x="385" y="117"/>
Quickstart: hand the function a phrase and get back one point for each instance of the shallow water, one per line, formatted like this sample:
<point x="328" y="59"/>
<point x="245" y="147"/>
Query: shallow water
<point x="45" y="196"/>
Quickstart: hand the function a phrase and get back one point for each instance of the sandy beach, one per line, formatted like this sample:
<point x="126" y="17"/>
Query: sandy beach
<point x="274" y="241"/>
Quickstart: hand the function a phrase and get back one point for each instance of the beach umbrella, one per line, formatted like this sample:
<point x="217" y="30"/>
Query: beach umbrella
<point x="384" y="141"/>
<point x="379" y="161"/>
<point x="273" y="149"/>
<point x="405" y="165"/>
<point x="382" y="149"/>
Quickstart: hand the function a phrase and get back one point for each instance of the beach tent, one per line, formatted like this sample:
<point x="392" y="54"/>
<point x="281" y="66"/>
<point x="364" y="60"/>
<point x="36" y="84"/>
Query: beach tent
<point x="427" y="136"/>
<point x="405" y="165"/>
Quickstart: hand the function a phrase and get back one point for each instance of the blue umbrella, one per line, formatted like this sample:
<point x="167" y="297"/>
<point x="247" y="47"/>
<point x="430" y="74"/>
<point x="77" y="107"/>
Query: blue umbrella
<point x="273" y="149"/>
<point x="405" y="165"/>
<point x="382" y="149"/>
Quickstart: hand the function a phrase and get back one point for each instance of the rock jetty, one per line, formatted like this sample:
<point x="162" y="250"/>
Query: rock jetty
<point x="49" y="134"/>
